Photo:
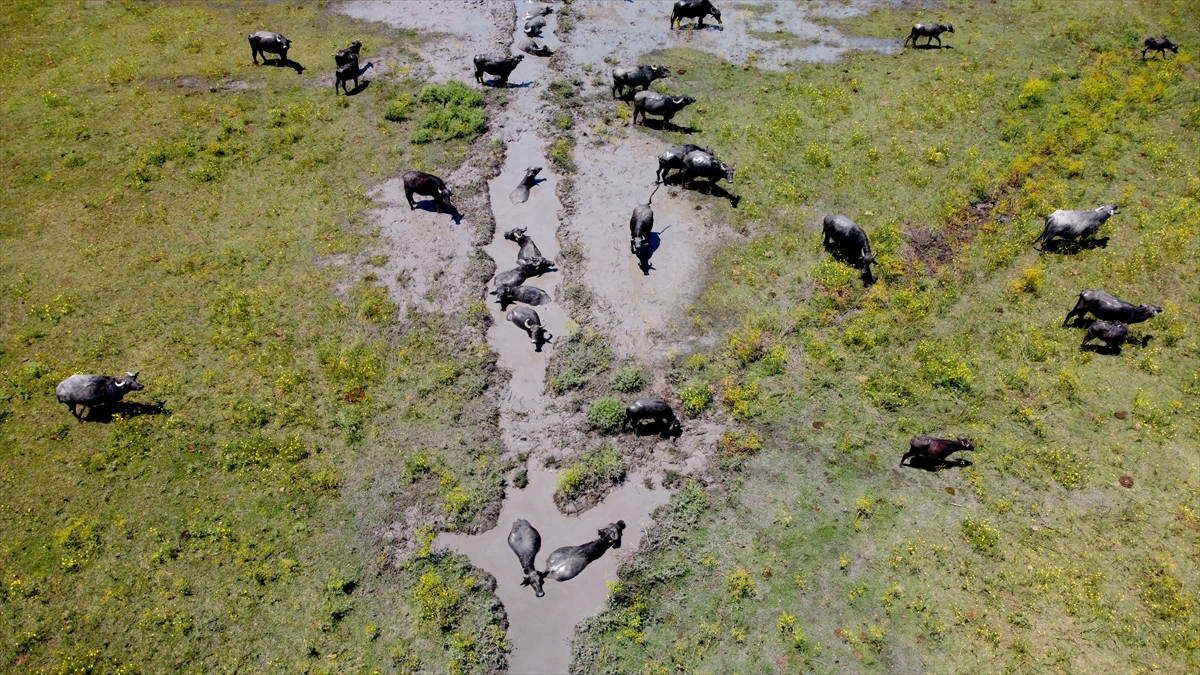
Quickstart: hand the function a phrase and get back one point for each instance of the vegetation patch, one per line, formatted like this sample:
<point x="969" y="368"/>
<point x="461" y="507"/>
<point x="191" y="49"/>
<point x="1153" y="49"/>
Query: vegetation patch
<point x="590" y="477"/>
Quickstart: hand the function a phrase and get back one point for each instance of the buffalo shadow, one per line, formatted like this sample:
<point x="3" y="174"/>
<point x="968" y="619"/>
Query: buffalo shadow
<point x="284" y="63"/>
<point x="653" y="241"/>
<point x="430" y="206"/>
<point x="496" y="84"/>
<point x="936" y="465"/>
<point x="358" y="88"/>
<point x="664" y="125"/>
<point x="1068" y="246"/>
<point x="712" y="190"/>
<point x="660" y="429"/>
<point x="931" y="46"/>
<point x="104" y="414"/>
<point x="1101" y="348"/>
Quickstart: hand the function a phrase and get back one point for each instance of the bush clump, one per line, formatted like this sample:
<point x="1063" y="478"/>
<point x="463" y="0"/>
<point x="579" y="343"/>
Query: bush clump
<point x="595" y="471"/>
<point x="696" y="398"/>
<point x="629" y="379"/>
<point x="606" y="415"/>
<point x="456" y="112"/>
<point x="582" y="356"/>
<point x="398" y="110"/>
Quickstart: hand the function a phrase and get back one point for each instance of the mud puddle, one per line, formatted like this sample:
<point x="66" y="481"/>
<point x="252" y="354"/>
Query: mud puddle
<point x="776" y="33"/>
<point x="540" y="629"/>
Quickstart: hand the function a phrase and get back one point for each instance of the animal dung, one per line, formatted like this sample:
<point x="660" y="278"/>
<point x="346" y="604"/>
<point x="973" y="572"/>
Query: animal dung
<point x="1126" y="481"/>
<point x="817" y="424"/>
<point x="950" y="490"/>
<point x="1120" y="414"/>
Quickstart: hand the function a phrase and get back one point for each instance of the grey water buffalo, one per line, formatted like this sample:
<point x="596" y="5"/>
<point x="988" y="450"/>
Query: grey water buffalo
<point x="540" y="11"/>
<point x="693" y="9"/>
<point x="511" y="278"/>
<point x="347" y="54"/>
<point x="567" y="562"/>
<point x="500" y="67"/>
<point x="930" y="450"/>
<point x="1107" y="308"/>
<point x="1111" y="333"/>
<point x="525" y="541"/>
<point x="637" y="76"/>
<point x="673" y="159"/>
<point x="94" y="391"/>
<point x="929" y="31"/>
<point x="657" y="413"/>
<point x="641" y="223"/>
<point x="526" y="295"/>
<point x="1160" y="45"/>
<point x="534" y="27"/>
<point x="1074" y="225"/>
<point x="659" y="105"/>
<point x="532" y="48"/>
<point x="520" y="195"/>
<point x="265" y="42"/>
<point x="427" y="185"/>
<point x="528" y="320"/>
<point x="529" y="256"/>
<point x="846" y="239"/>
<point x="700" y="164"/>
<point x="350" y="71"/>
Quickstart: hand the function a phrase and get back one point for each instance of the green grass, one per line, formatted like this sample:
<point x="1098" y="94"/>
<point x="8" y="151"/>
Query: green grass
<point x="592" y="474"/>
<point x="628" y="379"/>
<point x="1034" y="558"/>
<point x="606" y="415"/>
<point x="170" y="208"/>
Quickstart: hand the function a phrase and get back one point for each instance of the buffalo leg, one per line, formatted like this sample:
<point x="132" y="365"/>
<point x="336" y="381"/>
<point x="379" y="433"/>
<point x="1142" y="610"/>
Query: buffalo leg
<point x="1074" y="311"/>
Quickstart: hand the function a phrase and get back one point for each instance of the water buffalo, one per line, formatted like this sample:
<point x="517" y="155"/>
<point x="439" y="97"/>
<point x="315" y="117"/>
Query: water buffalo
<point x="94" y="391"/>
<point x="929" y="31"/>
<point x="500" y="67"/>
<point x="529" y="256"/>
<point x="526" y="295"/>
<point x="532" y="48"/>
<point x="1107" y="308"/>
<point x="567" y="562"/>
<point x="520" y="195"/>
<point x="348" y="72"/>
<point x="673" y="159"/>
<point x="511" y="278"/>
<point x="930" y="450"/>
<point x="700" y="164"/>
<point x="534" y="27"/>
<point x="848" y="240"/>
<point x="528" y="320"/>
<point x="637" y="76"/>
<point x="640" y="225"/>
<point x="658" y="413"/>
<point x="540" y="11"/>
<point x="1073" y="225"/>
<point x="1160" y="45"/>
<point x="1111" y="333"/>
<point x="427" y="185"/>
<point x="526" y="542"/>
<point x="693" y="9"/>
<point x="265" y="42"/>
<point x="348" y="54"/>
<point x="659" y="105"/>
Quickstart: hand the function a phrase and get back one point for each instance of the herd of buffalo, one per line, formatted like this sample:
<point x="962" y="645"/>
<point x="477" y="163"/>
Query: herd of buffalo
<point x="840" y="235"/>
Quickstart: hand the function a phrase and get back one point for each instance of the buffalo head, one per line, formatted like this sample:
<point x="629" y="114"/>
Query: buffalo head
<point x="965" y="443"/>
<point x="716" y="14"/>
<point x="515" y="234"/>
<point x="130" y="381"/>
<point x="534" y="578"/>
<point x="611" y="533"/>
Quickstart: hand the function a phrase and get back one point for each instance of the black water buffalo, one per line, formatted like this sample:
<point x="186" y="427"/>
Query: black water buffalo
<point x="1160" y="45"/>
<point x="529" y="257"/>
<point x="350" y="71"/>
<point x="641" y="223"/>
<point x="658" y="413"/>
<point x="500" y="67"/>
<point x="1111" y="333"/>
<point x="659" y="105"/>
<point x="693" y="9"/>
<point x="520" y="195"/>
<point x="1073" y="225"/>
<point x="348" y="54"/>
<point x="526" y="295"/>
<point x="534" y="26"/>
<point x="532" y="48"/>
<point x="525" y="541"/>
<point x="637" y="76"/>
<point x="540" y="11"/>
<point x="265" y="42"/>
<point x="427" y="185"/>
<point x="700" y="164"/>
<point x="930" y="450"/>
<point x="929" y="31"/>
<point x="528" y="320"/>
<point x="1107" y="308"/>
<point x="567" y="562"/>
<point x="848" y="240"/>
<point x="94" y="391"/>
<point x="511" y="278"/>
<point x="673" y="159"/>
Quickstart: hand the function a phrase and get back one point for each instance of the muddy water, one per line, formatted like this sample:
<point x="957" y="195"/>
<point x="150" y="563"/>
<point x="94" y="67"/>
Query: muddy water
<point x="540" y="629"/>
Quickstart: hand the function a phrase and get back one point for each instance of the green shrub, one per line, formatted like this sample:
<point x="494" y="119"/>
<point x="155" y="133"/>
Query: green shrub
<point x="1033" y="93"/>
<point x="696" y="398"/>
<point x="397" y="111"/>
<point x="457" y="112"/>
<point x="438" y="602"/>
<point x="629" y="379"/>
<point x="739" y="584"/>
<point x="606" y="415"/>
<point x="595" y="470"/>
<point x="582" y="356"/>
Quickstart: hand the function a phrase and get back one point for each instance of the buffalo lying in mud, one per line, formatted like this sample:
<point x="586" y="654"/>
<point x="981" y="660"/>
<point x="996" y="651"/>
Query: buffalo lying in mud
<point x="526" y="295"/>
<point x="532" y="48"/>
<point x="500" y="67"/>
<point x="511" y="278"/>
<point x="427" y="185"/>
<point x="657" y="413"/>
<point x="529" y="257"/>
<point x="1074" y="225"/>
<point x="534" y="27"/>
<point x="94" y="391"/>
<point x="520" y="195"/>
<point x="1107" y="308"/>
<point x="931" y="451"/>
<point x="637" y="76"/>
<point x="528" y="320"/>
<point x="848" y="241"/>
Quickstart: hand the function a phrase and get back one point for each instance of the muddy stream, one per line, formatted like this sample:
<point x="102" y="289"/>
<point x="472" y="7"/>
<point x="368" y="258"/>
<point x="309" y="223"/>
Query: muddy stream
<point x="641" y="311"/>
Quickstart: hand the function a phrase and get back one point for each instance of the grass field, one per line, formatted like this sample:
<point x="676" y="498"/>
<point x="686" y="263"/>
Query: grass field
<point x="813" y="552"/>
<point x="169" y="208"/>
